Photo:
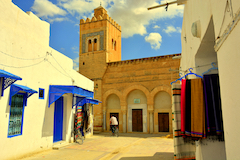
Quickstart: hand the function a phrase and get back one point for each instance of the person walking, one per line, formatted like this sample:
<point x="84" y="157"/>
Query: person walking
<point x="113" y="123"/>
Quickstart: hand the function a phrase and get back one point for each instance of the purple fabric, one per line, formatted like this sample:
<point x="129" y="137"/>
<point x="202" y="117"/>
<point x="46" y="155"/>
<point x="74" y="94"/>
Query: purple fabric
<point x="213" y="105"/>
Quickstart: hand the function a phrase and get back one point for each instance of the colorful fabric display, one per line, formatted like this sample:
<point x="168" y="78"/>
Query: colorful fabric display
<point x="79" y="117"/>
<point x="182" y="150"/>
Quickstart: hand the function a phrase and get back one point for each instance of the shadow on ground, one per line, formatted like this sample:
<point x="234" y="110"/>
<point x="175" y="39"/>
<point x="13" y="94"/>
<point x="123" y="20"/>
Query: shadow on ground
<point x="158" y="156"/>
<point x="137" y="135"/>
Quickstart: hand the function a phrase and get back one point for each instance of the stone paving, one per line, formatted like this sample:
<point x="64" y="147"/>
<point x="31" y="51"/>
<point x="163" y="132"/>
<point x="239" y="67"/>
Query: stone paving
<point x="104" y="147"/>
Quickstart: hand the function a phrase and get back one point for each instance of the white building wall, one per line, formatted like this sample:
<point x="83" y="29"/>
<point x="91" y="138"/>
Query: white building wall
<point x="227" y="57"/>
<point x="24" y="36"/>
<point x="229" y="75"/>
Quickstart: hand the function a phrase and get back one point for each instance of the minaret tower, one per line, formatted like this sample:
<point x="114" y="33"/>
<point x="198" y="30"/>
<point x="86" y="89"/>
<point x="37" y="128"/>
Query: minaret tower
<point x="100" y="43"/>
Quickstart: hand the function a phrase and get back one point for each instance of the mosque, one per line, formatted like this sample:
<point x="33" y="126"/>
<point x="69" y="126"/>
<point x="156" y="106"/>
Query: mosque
<point x="136" y="91"/>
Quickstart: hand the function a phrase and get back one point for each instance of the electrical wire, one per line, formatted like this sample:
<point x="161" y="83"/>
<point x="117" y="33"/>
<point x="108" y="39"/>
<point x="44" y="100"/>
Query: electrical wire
<point x="22" y="58"/>
<point x="198" y="67"/>
<point x="58" y="70"/>
<point x="231" y="7"/>
<point x="22" y="66"/>
<point x="192" y="67"/>
<point x="60" y="66"/>
<point x="227" y="5"/>
<point x="44" y="59"/>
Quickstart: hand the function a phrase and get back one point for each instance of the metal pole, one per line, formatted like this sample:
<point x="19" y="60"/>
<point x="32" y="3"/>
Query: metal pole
<point x="162" y="5"/>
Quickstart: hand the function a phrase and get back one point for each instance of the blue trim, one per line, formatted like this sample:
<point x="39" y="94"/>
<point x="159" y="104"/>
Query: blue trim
<point x="41" y="89"/>
<point x="58" y="120"/>
<point x="9" y="75"/>
<point x="15" y="88"/>
<point x="80" y="101"/>
<point x="56" y="91"/>
<point x="8" y="79"/>
<point x="24" y="99"/>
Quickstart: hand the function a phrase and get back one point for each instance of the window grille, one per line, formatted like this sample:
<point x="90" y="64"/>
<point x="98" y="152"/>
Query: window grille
<point x="41" y="93"/>
<point x="16" y="115"/>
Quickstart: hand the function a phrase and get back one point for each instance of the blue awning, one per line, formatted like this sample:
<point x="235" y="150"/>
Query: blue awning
<point x="80" y="101"/>
<point x="16" y="88"/>
<point x="8" y="79"/>
<point x="56" y="91"/>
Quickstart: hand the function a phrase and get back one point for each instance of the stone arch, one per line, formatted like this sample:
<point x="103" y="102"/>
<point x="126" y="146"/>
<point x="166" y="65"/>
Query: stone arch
<point x="162" y="100"/>
<point x="137" y="110"/>
<point x="134" y="87"/>
<point x="156" y="90"/>
<point x="113" y="102"/>
<point x="163" y="93"/>
<point x="108" y="93"/>
<point x="107" y="111"/>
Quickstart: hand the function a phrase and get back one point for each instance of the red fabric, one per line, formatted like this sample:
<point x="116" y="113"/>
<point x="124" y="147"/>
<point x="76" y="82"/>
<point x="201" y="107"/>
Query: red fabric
<point x="183" y="106"/>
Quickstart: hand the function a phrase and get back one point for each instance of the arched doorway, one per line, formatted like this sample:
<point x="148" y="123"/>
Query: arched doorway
<point x="137" y="111"/>
<point x="113" y="108"/>
<point x="162" y="112"/>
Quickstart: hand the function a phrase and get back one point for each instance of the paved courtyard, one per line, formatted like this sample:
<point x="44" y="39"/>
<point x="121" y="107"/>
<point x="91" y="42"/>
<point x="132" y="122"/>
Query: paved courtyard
<point x="104" y="147"/>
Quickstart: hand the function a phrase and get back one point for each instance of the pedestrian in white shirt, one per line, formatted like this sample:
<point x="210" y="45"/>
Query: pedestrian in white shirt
<point x="113" y="123"/>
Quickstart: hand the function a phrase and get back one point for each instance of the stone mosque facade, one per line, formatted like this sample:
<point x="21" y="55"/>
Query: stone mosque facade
<point x="137" y="91"/>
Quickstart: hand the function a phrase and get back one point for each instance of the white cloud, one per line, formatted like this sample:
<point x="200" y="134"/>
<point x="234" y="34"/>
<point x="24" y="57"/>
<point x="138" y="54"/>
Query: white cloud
<point x="172" y="29"/>
<point x="76" y="64"/>
<point x="132" y="15"/>
<point x="45" y="8"/>
<point x="155" y="39"/>
<point x="51" y="20"/>
<point x="179" y="30"/>
<point x="82" y="7"/>
<point x="156" y="27"/>
<point x="75" y="49"/>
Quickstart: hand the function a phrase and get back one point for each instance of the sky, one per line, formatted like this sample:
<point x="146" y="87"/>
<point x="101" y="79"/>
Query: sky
<point x="145" y="33"/>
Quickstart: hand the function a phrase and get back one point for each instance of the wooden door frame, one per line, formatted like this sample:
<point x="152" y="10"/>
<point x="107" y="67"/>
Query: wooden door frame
<point x="167" y="119"/>
<point x="137" y="122"/>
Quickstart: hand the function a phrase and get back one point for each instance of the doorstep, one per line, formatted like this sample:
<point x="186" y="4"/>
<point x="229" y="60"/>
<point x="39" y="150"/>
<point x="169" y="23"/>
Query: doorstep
<point x="60" y="144"/>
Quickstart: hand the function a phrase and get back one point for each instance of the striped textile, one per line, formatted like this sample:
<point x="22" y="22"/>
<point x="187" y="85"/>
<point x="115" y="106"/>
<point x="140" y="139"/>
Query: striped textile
<point x="79" y="117"/>
<point x="182" y="150"/>
<point x="198" y="130"/>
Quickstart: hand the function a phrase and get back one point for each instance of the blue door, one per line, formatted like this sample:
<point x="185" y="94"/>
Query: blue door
<point x="58" y="120"/>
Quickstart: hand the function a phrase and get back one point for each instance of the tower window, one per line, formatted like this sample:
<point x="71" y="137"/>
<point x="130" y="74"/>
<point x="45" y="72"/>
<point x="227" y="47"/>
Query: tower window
<point x="83" y="63"/>
<point x="115" y="46"/>
<point x="89" y="45"/>
<point x="95" y="45"/>
<point x="112" y="44"/>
